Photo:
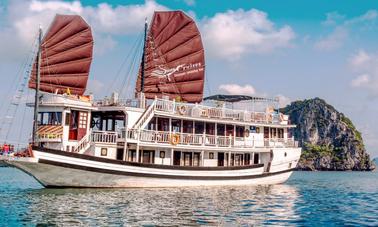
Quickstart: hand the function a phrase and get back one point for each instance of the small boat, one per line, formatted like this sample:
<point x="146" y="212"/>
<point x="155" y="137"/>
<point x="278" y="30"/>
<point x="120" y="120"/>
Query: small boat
<point x="168" y="136"/>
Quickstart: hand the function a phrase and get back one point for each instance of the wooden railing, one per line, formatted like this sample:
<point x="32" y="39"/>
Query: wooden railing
<point x="150" y="136"/>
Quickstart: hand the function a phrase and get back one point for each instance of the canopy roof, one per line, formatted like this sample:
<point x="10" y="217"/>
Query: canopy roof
<point x="238" y="98"/>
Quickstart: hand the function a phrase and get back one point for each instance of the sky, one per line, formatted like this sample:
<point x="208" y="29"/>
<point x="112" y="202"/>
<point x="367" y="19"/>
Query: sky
<point x="291" y="49"/>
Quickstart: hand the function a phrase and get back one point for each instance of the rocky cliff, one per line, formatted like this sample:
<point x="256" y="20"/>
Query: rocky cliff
<point x="328" y="138"/>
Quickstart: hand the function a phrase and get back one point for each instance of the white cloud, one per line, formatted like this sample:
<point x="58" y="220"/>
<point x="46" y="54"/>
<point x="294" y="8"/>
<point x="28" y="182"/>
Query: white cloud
<point x="122" y="19"/>
<point x="333" y="18"/>
<point x="360" y="60"/>
<point x="190" y="2"/>
<point x="369" y="16"/>
<point x="336" y="39"/>
<point x="333" y="41"/>
<point x="283" y="100"/>
<point x="18" y="30"/>
<point x="232" y="34"/>
<point x="361" y="80"/>
<point x="235" y="89"/>
<point x="365" y="65"/>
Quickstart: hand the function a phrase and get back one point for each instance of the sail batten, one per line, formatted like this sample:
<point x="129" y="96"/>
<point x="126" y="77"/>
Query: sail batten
<point x="174" y="59"/>
<point x="66" y="56"/>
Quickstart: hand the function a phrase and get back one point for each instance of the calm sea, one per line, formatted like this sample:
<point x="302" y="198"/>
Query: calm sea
<point x="307" y="199"/>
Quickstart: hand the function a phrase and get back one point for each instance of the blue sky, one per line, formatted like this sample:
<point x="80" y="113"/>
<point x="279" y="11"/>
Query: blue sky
<point x="291" y="49"/>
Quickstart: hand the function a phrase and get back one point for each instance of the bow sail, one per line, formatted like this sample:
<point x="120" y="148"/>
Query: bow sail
<point x="174" y="58"/>
<point x="66" y="56"/>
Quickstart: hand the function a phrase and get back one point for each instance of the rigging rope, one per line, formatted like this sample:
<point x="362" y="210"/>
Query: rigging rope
<point x="14" y="102"/>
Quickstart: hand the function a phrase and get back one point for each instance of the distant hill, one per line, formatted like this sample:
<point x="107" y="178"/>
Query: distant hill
<point x="328" y="138"/>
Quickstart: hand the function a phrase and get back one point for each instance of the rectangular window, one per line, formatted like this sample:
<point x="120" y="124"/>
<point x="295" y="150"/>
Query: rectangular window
<point x="50" y="118"/>
<point x="187" y="126"/>
<point x="67" y="119"/>
<point x="83" y="119"/>
<point x="199" y="127"/>
<point x="239" y="131"/>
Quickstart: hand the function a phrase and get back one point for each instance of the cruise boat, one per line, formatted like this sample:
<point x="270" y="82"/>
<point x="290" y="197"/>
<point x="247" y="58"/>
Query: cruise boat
<point x="168" y="136"/>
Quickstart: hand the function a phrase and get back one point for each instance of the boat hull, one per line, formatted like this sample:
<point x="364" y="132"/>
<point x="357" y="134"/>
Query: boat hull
<point x="52" y="169"/>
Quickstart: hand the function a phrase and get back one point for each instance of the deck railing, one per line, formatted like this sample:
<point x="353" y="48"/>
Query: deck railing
<point x="150" y="136"/>
<point x="201" y="111"/>
<point x="104" y="137"/>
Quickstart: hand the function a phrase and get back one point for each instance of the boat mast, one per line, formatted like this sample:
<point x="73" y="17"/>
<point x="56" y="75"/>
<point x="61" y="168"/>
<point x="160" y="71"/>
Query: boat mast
<point x="143" y="57"/>
<point x="36" y="98"/>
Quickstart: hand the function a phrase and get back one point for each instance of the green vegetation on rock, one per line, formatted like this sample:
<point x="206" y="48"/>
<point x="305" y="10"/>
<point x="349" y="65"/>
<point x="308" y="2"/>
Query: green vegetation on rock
<point x="328" y="138"/>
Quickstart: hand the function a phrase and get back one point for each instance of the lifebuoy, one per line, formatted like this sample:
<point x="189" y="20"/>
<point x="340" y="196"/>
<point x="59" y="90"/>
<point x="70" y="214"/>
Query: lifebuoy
<point x="246" y="132"/>
<point x="182" y="110"/>
<point x="175" y="139"/>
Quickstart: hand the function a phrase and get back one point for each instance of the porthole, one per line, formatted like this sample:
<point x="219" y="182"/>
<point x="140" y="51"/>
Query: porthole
<point x="285" y="154"/>
<point x="162" y="154"/>
<point x="211" y="155"/>
<point x="104" y="151"/>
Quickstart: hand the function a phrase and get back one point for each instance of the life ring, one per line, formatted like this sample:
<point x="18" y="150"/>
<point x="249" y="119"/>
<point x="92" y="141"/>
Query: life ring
<point x="182" y="110"/>
<point x="246" y="132"/>
<point x="175" y="139"/>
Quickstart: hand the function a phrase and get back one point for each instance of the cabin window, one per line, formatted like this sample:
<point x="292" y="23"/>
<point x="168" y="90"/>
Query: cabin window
<point x="50" y="118"/>
<point x="210" y="128"/>
<point x="220" y="130"/>
<point x="152" y="124"/>
<point x="83" y="120"/>
<point x="211" y="155"/>
<point x="176" y="125"/>
<point x="230" y="130"/>
<point x="187" y="126"/>
<point x="199" y="127"/>
<point x="280" y="133"/>
<point x="239" y="131"/>
<point x="256" y="158"/>
<point x="163" y="124"/>
<point x="104" y="151"/>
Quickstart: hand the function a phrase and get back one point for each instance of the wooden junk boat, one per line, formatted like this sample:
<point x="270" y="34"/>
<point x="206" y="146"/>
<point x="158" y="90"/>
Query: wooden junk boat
<point x="168" y="136"/>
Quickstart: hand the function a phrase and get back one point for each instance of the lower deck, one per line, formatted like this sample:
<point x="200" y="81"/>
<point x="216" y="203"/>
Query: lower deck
<point x="194" y="158"/>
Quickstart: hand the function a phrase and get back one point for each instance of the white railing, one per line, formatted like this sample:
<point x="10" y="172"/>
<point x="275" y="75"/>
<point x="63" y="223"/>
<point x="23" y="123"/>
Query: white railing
<point x="146" y="116"/>
<point x="150" y="136"/>
<point x="165" y="105"/>
<point x="83" y="143"/>
<point x="104" y="137"/>
<point x="201" y="111"/>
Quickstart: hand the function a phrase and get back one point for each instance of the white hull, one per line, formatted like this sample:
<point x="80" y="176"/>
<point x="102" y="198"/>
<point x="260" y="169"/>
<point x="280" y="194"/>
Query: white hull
<point x="55" y="170"/>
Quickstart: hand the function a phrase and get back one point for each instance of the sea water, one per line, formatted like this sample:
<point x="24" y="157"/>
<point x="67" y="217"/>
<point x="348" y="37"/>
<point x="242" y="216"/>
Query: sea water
<point x="307" y="199"/>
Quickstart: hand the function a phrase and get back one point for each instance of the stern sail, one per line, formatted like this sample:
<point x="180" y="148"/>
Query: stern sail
<point x="66" y="56"/>
<point x="174" y="58"/>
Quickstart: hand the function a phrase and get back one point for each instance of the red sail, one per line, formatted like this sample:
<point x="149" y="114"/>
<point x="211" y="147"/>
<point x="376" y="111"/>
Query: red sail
<point x="174" y="58"/>
<point x="66" y="56"/>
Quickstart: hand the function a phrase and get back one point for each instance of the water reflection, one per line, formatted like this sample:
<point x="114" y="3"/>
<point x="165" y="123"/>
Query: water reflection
<point x="177" y="206"/>
<point x="307" y="199"/>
